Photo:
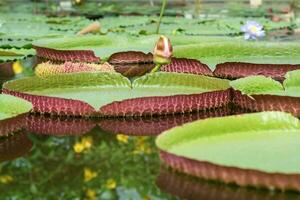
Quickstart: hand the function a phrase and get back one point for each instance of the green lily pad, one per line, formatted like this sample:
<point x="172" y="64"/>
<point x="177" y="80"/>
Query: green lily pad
<point x="11" y="106"/>
<point x="210" y="50"/>
<point x="15" y="54"/>
<point x="262" y="142"/>
<point x="292" y="80"/>
<point x="104" y="46"/>
<point x="254" y="85"/>
<point x="259" y="93"/>
<point x="235" y="50"/>
<point x="100" y="89"/>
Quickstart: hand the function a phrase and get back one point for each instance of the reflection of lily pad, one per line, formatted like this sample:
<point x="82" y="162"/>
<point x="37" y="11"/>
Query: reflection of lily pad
<point x="114" y="95"/>
<point x="14" y="146"/>
<point x="42" y="125"/>
<point x="156" y="125"/>
<point x="12" y="112"/>
<point x="258" y="149"/>
<point x="267" y="94"/>
<point x="185" y="187"/>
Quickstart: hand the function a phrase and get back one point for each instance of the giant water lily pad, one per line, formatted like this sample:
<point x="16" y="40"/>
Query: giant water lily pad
<point x="12" y="111"/>
<point x="92" y="48"/>
<point x="234" y="50"/>
<point x="111" y="94"/>
<point x="259" y="149"/>
<point x="88" y="49"/>
<point x="259" y="93"/>
<point x="209" y="50"/>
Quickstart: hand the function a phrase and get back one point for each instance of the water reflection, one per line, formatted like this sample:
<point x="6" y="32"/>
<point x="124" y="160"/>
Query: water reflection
<point x="43" y="125"/>
<point x="62" y="126"/>
<point x="76" y="158"/>
<point x="12" y="125"/>
<point x="186" y="187"/>
<point x="96" y="164"/>
<point x="156" y="125"/>
<point x="14" y="146"/>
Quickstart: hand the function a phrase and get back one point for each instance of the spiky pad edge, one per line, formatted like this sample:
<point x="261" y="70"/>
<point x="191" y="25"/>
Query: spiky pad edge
<point x="15" y="146"/>
<point x="155" y="126"/>
<point x="235" y="70"/>
<point x="144" y="106"/>
<point x="231" y="175"/>
<point x="12" y="125"/>
<point x="189" y="66"/>
<point x="55" y="126"/>
<point x="55" y="106"/>
<point x="66" y="55"/>
<point x="268" y="103"/>
<point x="148" y="106"/>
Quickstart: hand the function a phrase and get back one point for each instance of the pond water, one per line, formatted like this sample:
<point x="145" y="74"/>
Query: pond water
<point x="71" y="158"/>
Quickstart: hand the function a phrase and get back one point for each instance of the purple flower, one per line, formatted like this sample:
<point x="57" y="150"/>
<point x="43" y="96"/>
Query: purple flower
<point x="253" y="30"/>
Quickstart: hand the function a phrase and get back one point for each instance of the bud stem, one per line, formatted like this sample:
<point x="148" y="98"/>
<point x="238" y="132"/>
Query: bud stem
<point x="164" y="3"/>
<point x="156" y="68"/>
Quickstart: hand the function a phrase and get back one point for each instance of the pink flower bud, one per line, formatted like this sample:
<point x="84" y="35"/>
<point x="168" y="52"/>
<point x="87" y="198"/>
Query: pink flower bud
<point x="163" y="51"/>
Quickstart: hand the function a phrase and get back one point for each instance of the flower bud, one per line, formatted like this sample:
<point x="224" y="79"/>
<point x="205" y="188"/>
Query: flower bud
<point x="163" y="51"/>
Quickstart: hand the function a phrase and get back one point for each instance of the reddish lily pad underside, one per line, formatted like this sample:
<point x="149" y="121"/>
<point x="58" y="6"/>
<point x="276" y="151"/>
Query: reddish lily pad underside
<point x="111" y="94"/>
<point x="235" y="70"/>
<point x="136" y="63"/>
<point x="233" y="150"/>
